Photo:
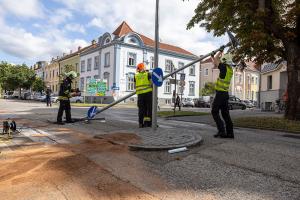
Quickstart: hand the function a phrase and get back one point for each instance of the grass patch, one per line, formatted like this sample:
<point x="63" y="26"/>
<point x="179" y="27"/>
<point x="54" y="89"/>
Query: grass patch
<point x="268" y="123"/>
<point x="180" y="113"/>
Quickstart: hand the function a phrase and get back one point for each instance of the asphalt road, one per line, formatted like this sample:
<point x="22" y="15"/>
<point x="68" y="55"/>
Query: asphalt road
<point x="255" y="165"/>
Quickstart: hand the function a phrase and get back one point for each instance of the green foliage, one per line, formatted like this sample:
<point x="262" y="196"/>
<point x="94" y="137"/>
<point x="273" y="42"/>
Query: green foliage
<point x="38" y="85"/>
<point x="264" y="28"/>
<point x="208" y="90"/>
<point x="13" y="77"/>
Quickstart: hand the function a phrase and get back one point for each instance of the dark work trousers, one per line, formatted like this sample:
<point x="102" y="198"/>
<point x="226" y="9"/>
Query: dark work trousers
<point x="48" y="101"/>
<point x="177" y="104"/>
<point x="221" y="103"/>
<point x="145" y="107"/>
<point x="64" y="105"/>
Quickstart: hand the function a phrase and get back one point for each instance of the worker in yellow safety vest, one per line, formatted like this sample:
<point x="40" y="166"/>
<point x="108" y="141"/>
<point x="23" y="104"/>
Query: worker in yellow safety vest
<point x="220" y="102"/>
<point x="143" y="88"/>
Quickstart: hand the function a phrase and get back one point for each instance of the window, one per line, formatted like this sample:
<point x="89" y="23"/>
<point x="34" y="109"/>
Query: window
<point x="192" y="70"/>
<point x="252" y="80"/>
<point x="96" y="77"/>
<point x="83" y="66"/>
<point x="168" y="66"/>
<point x="106" y="79"/>
<point x="50" y="74"/>
<point x="107" y="41"/>
<point x="107" y="59"/>
<point x="53" y="76"/>
<point x="180" y="65"/>
<point x="130" y="82"/>
<point x="76" y="67"/>
<point x="96" y="62"/>
<point x="256" y="80"/>
<point x="167" y="86"/>
<point x="131" y="59"/>
<point x="240" y="78"/>
<point x="82" y="84"/>
<point x="191" y="88"/>
<point x="89" y="65"/>
<point x="88" y="78"/>
<point x="205" y="72"/>
<point x="269" y="83"/>
<point x="151" y="62"/>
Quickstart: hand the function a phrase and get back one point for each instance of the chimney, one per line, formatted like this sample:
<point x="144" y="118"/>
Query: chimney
<point x="79" y="48"/>
<point x="93" y="42"/>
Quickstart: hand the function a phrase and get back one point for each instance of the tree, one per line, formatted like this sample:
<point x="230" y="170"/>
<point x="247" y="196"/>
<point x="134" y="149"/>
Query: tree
<point x="209" y="89"/>
<point x="38" y="85"/>
<point x="14" y="77"/>
<point x="268" y="30"/>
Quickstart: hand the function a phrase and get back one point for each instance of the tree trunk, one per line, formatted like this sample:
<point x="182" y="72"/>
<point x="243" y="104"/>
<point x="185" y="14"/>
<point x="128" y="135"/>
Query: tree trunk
<point x="293" y="70"/>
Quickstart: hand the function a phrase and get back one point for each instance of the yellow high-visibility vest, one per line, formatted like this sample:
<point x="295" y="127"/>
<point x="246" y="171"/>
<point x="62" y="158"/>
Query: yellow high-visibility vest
<point x="224" y="84"/>
<point x="142" y="84"/>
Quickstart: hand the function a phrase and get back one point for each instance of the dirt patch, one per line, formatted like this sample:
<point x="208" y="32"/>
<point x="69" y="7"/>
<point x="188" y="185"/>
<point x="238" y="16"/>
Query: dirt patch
<point x="62" y="172"/>
<point x="120" y="138"/>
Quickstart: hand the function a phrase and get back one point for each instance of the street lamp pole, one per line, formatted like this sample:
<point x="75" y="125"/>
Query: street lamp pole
<point x="154" y="99"/>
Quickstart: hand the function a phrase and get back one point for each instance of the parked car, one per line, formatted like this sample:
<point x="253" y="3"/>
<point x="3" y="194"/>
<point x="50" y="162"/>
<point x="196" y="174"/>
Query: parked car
<point x="76" y="99"/>
<point x="236" y="103"/>
<point x="8" y="95"/>
<point x="201" y="103"/>
<point x="188" y="103"/>
<point x="54" y="98"/>
<point x="248" y="103"/>
<point x="42" y="98"/>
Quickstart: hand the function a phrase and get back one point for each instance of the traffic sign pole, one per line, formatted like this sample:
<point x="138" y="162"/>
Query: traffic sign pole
<point x="154" y="94"/>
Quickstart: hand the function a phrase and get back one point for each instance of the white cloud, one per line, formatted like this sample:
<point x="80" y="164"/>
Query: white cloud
<point x="96" y="22"/>
<point x="24" y="8"/>
<point x="174" y="16"/>
<point x="22" y="44"/>
<point x="75" y="28"/>
<point x="60" y="16"/>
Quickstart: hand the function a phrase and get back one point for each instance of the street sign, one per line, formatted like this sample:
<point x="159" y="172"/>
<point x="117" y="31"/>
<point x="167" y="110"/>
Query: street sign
<point x="157" y="77"/>
<point x="182" y="83"/>
<point x="101" y="88"/>
<point x="92" y="87"/>
<point x="182" y="77"/>
<point x="114" y="87"/>
<point x="92" y="112"/>
<point x="173" y="81"/>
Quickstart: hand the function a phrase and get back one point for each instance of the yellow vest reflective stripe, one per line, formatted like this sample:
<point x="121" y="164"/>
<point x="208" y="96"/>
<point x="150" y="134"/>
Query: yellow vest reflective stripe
<point x="142" y="84"/>
<point x="223" y="84"/>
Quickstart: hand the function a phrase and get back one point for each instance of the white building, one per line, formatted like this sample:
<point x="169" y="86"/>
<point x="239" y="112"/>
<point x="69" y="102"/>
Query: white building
<point x="115" y="56"/>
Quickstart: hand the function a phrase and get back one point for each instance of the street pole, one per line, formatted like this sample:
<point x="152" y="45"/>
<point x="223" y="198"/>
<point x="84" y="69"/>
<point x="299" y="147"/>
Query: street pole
<point x="154" y="99"/>
<point x="175" y="97"/>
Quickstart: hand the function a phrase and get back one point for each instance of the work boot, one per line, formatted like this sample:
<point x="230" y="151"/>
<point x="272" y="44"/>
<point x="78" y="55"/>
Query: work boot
<point x="71" y="121"/>
<point x="60" y="123"/>
<point x="230" y="135"/>
<point x="220" y="134"/>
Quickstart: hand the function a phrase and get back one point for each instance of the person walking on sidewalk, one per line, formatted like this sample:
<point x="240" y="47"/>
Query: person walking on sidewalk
<point x="143" y="87"/>
<point x="177" y="103"/>
<point x="220" y="101"/>
<point x="48" y="96"/>
<point x="64" y="98"/>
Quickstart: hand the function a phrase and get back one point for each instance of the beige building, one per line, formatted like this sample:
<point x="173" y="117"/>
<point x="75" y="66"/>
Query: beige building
<point x="51" y="75"/>
<point x="70" y="62"/>
<point x="273" y="84"/>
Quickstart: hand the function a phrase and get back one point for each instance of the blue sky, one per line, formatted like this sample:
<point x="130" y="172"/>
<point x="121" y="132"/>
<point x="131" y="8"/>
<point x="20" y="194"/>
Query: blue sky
<point x="33" y="30"/>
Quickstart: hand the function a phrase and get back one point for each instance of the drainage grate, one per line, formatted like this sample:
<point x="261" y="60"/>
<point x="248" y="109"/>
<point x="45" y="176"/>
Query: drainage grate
<point x="291" y="136"/>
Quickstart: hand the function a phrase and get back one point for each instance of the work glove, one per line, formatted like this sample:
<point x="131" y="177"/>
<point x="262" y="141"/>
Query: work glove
<point x="222" y="48"/>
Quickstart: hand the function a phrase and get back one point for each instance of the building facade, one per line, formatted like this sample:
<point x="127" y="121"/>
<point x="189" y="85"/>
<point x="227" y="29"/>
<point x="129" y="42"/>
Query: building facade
<point x="51" y="75"/>
<point x="273" y="84"/>
<point x="115" y="56"/>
